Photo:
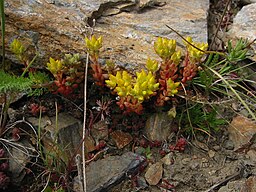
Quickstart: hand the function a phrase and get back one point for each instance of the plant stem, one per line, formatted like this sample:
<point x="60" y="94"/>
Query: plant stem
<point x="40" y="146"/>
<point x="4" y="113"/>
<point x="3" y="31"/>
<point x="85" y="107"/>
<point x="219" y="24"/>
<point x="84" y="123"/>
<point x="29" y="65"/>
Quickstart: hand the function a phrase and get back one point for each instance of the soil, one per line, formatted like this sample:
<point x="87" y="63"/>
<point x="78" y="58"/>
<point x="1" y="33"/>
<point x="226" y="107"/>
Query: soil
<point x="203" y="166"/>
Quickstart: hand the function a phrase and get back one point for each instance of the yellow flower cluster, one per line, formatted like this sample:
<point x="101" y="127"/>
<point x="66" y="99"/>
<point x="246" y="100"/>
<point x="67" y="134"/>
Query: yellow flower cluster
<point x="152" y="65"/>
<point x="17" y="48"/>
<point x="93" y="45"/>
<point x="54" y="66"/>
<point x="172" y="87"/>
<point x="141" y="87"/>
<point x="176" y="57"/>
<point x="145" y="85"/>
<point x="121" y="83"/>
<point x="196" y="54"/>
<point x="164" y="47"/>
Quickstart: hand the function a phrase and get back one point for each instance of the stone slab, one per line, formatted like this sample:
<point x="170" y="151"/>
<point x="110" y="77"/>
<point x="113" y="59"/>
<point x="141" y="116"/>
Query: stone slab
<point x="54" y="27"/>
<point x="103" y="174"/>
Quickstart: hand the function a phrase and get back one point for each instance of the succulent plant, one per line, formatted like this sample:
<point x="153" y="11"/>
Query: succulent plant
<point x="93" y="45"/>
<point x="133" y="90"/>
<point x="68" y="73"/>
<point x="164" y="47"/>
<point x="197" y="51"/>
<point x="17" y="48"/>
<point x="172" y="87"/>
<point x="145" y="85"/>
<point x="152" y="65"/>
<point x="161" y="79"/>
<point x="54" y="66"/>
<point x="121" y="83"/>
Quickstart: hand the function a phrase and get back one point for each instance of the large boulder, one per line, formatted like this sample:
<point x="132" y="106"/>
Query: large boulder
<point x="128" y="27"/>
<point x="244" y="26"/>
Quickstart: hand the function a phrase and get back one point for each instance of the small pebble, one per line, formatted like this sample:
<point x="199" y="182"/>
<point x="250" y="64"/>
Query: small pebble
<point x="194" y="165"/>
<point x="229" y="145"/>
<point x="167" y="159"/>
<point x="211" y="153"/>
<point x="185" y="161"/>
<point x="216" y="147"/>
<point x="142" y="184"/>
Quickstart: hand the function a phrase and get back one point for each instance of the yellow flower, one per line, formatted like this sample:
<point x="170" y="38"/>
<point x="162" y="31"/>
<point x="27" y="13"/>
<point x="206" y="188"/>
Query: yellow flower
<point x="145" y="85"/>
<point x="195" y="54"/>
<point x="17" y="48"/>
<point x="172" y="87"/>
<point x="164" y="47"/>
<point x="176" y="57"/>
<point x="121" y="83"/>
<point x="93" y="45"/>
<point x="54" y="66"/>
<point x="152" y="65"/>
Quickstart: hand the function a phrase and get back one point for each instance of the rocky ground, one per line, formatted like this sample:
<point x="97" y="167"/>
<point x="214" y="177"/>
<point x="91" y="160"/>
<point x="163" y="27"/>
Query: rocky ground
<point x="223" y="162"/>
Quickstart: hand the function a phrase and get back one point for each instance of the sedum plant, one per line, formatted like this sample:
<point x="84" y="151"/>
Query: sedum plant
<point x="93" y="46"/>
<point x="133" y="90"/>
<point x="173" y="70"/>
<point x="174" y="73"/>
<point x="18" y="49"/>
<point x="161" y="79"/>
<point x="68" y="73"/>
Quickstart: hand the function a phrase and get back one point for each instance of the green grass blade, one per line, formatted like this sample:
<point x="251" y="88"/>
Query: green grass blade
<point x="235" y="92"/>
<point x="2" y="31"/>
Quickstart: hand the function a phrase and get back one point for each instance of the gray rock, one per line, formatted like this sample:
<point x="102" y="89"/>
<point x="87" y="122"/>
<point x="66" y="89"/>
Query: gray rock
<point x="62" y="140"/>
<point x="245" y="2"/>
<point x="142" y="184"/>
<point x="140" y="29"/>
<point x="128" y="27"/>
<point x="229" y="145"/>
<point x="99" y="131"/>
<point x="21" y="153"/>
<point x="103" y="174"/>
<point x="187" y="167"/>
<point x="244" y="22"/>
<point x="158" y="127"/>
<point x="244" y="25"/>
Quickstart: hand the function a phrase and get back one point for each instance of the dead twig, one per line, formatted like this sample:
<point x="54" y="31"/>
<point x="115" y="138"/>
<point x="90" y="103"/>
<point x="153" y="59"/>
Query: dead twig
<point x="219" y="24"/>
<point x="84" y="123"/>
<point x="236" y="175"/>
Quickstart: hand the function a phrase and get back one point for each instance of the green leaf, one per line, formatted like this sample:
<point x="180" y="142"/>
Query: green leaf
<point x="11" y="83"/>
